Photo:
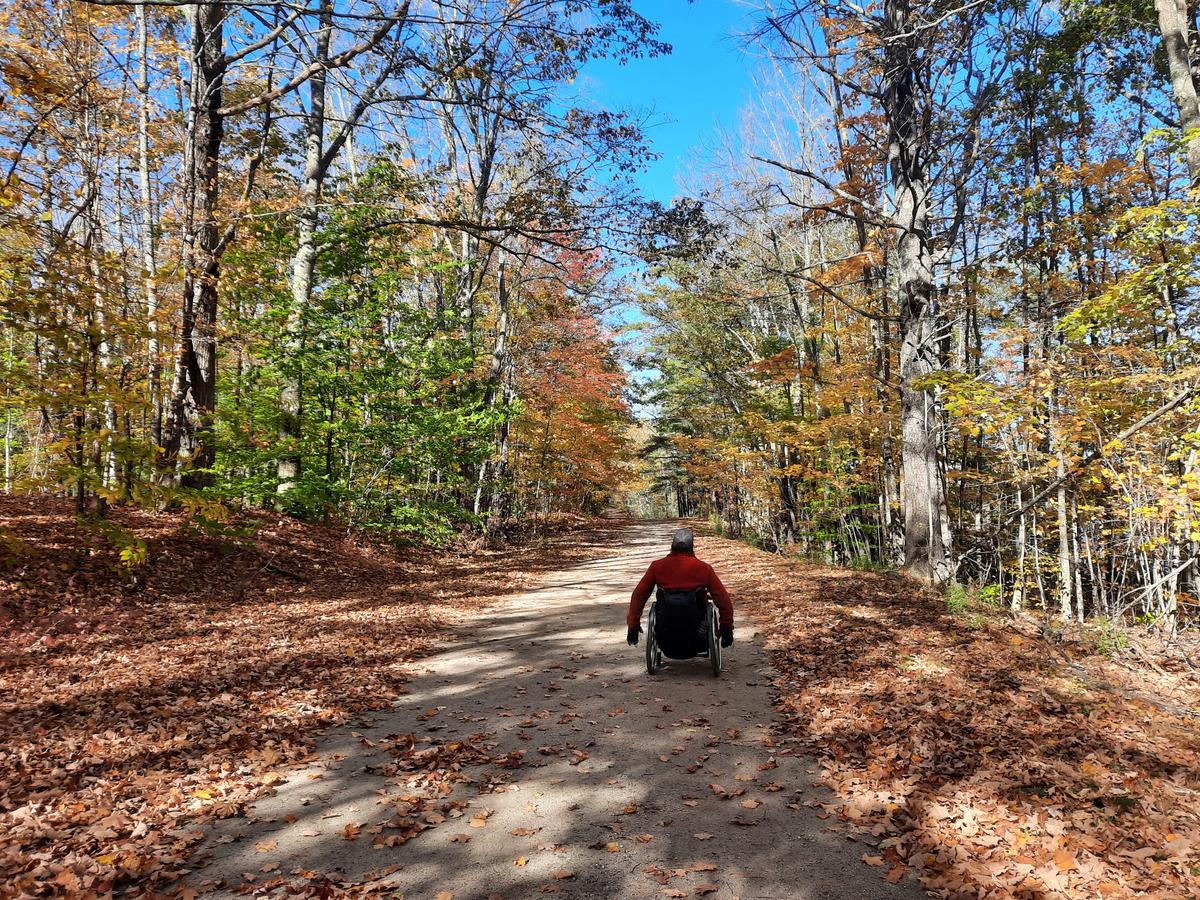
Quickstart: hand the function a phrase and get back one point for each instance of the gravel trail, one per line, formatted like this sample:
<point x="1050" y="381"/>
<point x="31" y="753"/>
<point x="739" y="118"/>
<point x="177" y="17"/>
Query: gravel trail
<point x="534" y="756"/>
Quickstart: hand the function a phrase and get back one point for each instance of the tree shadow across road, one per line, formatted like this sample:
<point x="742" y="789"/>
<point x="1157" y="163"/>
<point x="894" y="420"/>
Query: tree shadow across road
<point x="535" y="754"/>
<point x="134" y="707"/>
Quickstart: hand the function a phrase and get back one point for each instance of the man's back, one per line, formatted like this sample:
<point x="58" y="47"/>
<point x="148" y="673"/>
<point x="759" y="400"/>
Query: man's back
<point x="679" y="570"/>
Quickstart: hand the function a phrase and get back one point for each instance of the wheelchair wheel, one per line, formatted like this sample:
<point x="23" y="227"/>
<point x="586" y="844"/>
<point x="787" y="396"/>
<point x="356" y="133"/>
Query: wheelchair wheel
<point x="653" y="653"/>
<point x="714" y="641"/>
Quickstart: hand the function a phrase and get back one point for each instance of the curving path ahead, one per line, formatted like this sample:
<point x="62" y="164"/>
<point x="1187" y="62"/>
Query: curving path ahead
<point x="612" y="796"/>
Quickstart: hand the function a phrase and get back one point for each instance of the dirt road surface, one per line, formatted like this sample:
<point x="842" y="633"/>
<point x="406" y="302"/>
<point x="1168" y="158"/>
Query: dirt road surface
<point x="578" y="774"/>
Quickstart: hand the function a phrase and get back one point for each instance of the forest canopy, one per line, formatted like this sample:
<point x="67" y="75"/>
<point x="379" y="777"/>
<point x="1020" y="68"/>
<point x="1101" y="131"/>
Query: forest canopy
<point x="934" y="306"/>
<point x="351" y="260"/>
<point x="944" y="315"/>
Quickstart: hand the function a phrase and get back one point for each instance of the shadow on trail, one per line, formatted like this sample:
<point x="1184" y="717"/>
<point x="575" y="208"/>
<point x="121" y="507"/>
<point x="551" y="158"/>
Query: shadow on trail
<point x="166" y="694"/>
<point x="541" y="714"/>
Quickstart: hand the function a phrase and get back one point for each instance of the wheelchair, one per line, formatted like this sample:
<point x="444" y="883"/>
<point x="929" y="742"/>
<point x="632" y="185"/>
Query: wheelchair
<point x="683" y="625"/>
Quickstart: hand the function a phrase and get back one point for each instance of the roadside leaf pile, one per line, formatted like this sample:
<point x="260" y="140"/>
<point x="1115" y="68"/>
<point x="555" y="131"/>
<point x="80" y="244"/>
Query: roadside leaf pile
<point x="136" y="706"/>
<point x="993" y="761"/>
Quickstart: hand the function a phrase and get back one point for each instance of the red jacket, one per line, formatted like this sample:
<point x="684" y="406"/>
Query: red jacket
<point x="679" y="572"/>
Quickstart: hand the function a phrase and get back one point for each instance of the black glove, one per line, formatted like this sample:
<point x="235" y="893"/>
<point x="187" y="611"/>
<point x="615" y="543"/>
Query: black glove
<point x="632" y="638"/>
<point x="727" y="636"/>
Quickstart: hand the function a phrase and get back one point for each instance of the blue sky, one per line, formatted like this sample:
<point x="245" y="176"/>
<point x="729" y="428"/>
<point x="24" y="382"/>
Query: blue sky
<point x="690" y="93"/>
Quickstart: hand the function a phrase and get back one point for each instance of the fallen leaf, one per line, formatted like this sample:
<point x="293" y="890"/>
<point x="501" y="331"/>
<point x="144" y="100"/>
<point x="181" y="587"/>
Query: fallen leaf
<point x="706" y="888"/>
<point x="1065" y="861"/>
<point x="266" y="846"/>
<point x="702" y="835"/>
<point x="460" y="838"/>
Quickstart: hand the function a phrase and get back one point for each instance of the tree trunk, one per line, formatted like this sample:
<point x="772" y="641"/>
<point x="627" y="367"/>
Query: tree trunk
<point x="1174" y="24"/>
<point x="191" y="443"/>
<point x="149" y="260"/>
<point x="497" y="468"/>
<point x="927" y="553"/>
<point x="304" y="264"/>
<point x="1064" y="547"/>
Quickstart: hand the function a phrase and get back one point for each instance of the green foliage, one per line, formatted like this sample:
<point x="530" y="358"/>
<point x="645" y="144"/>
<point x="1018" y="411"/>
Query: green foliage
<point x="973" y="601"/>
<point x="974" y="621"/>
<point x="389" y="388"/>
<point x="990" y="594"/>
<point x="956" y="598"/>
<point x="869" y="564"/>
<point x="1109" y="636"/>
<point x="132" y="551"/>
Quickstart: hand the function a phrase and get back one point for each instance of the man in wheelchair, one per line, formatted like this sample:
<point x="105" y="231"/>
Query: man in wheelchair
<point x="684" y="585"/>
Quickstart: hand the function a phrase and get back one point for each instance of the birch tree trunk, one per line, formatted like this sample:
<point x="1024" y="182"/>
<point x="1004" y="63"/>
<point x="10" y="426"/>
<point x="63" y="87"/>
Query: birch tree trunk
<point x="497" y="467"/>
<point x="149" y="250"/>
<point x="304" y="262"/>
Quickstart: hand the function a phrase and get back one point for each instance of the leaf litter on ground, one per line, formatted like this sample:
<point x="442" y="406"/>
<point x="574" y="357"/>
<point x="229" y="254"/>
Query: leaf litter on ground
<point x="991" y="761"/>
<point x="140" y="705"/>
